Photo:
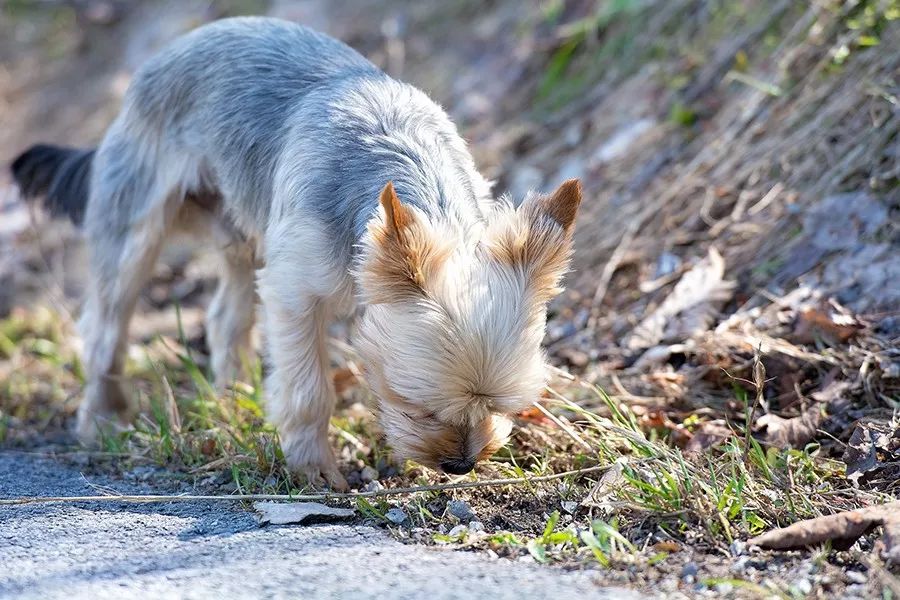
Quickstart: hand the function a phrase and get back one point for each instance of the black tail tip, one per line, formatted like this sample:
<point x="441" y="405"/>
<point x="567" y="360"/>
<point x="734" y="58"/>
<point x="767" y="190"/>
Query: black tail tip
<point x="61" y="175"/>
<point x="34" y="169"/>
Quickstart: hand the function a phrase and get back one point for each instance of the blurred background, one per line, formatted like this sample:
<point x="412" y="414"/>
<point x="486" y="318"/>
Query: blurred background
<point x="739" y="159"/>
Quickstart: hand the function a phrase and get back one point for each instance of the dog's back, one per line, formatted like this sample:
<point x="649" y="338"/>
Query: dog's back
<point x="224" y="95"/>
<point x="242" y="106"/>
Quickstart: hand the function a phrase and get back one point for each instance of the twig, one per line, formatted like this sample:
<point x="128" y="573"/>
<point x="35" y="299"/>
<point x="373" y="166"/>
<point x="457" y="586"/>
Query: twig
<point x="564" y="426"/>
<point x="613" y="264"/>
<point x="147" y="499"/>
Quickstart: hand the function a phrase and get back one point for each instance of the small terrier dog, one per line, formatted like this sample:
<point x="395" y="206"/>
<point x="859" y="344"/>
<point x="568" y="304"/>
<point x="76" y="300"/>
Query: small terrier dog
<point x="325" y="184"/>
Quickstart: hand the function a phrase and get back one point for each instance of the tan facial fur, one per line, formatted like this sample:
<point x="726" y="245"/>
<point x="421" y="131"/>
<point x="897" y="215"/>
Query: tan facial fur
<point x="454" y="319"/>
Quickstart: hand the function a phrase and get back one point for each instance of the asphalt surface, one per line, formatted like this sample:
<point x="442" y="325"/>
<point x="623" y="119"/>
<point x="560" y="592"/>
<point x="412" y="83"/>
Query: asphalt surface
<point x="217" y="550"/>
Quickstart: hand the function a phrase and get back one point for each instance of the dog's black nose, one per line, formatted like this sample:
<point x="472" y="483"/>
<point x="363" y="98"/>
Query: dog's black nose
<point x="457" y="466"/>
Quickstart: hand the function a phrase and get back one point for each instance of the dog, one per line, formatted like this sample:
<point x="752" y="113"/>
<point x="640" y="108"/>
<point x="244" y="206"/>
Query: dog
<point x="330" y="189"/>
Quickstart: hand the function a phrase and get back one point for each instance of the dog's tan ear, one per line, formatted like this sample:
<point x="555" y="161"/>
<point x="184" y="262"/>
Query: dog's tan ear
<point x="402" y="253"/>
<point x="536" y="239"/>
<point x="562" y="205"/>
<point x="397" y="216"/>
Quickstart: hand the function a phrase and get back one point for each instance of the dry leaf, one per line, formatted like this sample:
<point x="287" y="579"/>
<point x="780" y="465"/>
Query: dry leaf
<point x="842" y="530"/>
<point x="534" y="415"/>
<point x="825" y="323"/>
<point x="873" y="449"/>
<point x="283" y="513"/>
<point x="689" y="309"/>
<point x="798" y="431"/>
<point x="710" y="433"/>
<point x="605" y="490"/>
<point x="791" y="433"/>
<point x="667" y="546"/>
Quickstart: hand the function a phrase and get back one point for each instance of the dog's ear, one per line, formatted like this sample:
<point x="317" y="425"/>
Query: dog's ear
<point x="401" y="252"/>
<point x="562" y="205"/>
<point x="536" y="239"/>
<point x="396" y="216"/>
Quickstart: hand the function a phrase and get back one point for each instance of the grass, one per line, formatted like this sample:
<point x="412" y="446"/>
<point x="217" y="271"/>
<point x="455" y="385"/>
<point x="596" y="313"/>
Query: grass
<point x="654" y="501"/>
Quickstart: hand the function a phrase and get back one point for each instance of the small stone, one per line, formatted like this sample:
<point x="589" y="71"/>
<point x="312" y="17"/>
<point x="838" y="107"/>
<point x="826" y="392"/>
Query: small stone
<point x="476" y="526"/>
<point x="724" y="588"/>
<point x="740" y="565"/>
<point x="368" y="474"/>
<point x="803" y="586"/>
<point x="856" y="577"/>
<point x="461" y="510"/>
<point x="458" y="531"/>
<point x="373" y="486"/>
<point x="738" y="548"/>
<point x="397" y="516"/>
<point x="689" y="572"/>
<point x="569" y="506"/>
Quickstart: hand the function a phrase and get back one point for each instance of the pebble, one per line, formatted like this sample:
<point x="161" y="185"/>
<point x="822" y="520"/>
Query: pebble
<point x="569" y="506"/>
<point x="803" y="586"/>
<point x="373" y="486"/>
<point x="689" y="572"/>
<point x="368" y="474"/>
<point x="740" y="565"/>
<point x="461" y="510"/>
<point x="459" y="531"/>
<point x="397" y="516"/>
<point x="856" y="577"/>
<point x="476" y="526"/>
<point x="724" y="588"/>
<point x="738" y="548"/>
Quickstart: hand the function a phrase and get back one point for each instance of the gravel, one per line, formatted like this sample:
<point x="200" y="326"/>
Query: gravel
<point x="215" y="549"/>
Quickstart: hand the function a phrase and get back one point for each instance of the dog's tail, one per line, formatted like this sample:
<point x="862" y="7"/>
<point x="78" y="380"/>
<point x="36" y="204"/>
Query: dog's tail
<point x="60" y="175"/>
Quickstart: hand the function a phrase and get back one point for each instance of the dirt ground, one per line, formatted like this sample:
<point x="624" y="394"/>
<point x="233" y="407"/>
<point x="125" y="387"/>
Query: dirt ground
<point x="736" y="278"/>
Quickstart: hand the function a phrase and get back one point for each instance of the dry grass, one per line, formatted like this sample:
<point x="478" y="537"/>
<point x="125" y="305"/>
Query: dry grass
<point x="652" y="509"/>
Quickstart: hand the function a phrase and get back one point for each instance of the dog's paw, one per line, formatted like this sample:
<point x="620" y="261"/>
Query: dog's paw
<point x="92" y="427"/>
<point x="309" y="455"/>
<point x="321" y="476"/>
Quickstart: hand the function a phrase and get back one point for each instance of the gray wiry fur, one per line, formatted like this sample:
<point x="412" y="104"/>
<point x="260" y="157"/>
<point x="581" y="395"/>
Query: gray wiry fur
<point x="236" y="98"/>
<point x="276" y="141"/>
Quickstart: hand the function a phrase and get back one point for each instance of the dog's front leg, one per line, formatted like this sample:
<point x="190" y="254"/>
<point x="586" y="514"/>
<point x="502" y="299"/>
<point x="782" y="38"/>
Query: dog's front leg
<point x="300" y="394"/>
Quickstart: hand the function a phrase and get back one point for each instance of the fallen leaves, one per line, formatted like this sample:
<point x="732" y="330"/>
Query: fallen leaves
<point x="708" y="435"/>
<point x="689" y="309"/>
<point x="829" y="323"/>
<point x="280" y="513"/>
<point x="873" y="451"/>
<point x="841" y="529"/>
<point x="797" y="431"/>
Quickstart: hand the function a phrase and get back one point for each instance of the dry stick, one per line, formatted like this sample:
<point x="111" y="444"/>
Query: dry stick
<point x="564" y="426"/>
<point x="613" y="265"/>
<point x="138" y="499"/>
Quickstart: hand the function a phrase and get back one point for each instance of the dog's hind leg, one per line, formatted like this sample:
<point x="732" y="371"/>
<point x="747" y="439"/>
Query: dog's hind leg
<point x="129" y="212"/>
<point x="231" y="312"/>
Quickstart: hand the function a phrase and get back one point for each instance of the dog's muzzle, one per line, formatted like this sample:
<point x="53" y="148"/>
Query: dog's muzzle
<point x="457" y="466"/>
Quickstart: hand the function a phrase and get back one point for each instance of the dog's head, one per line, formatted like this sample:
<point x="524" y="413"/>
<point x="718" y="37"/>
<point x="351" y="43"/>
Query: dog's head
<point x="453" y="322"/>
